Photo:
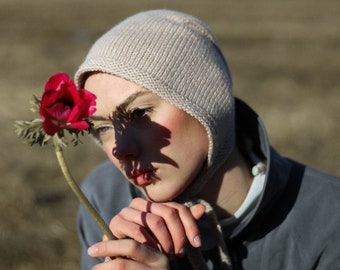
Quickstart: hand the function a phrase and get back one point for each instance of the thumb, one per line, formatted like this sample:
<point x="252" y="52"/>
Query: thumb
<point x="197" y="211"/>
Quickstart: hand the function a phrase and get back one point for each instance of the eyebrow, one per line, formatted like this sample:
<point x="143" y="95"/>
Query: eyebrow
<point x="123" y="106"/>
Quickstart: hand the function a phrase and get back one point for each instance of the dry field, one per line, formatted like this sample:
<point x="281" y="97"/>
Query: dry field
<point x="285" y="60"/>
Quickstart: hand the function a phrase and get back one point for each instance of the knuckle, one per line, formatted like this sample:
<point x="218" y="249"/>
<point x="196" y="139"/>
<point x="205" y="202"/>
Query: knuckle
<point x="171" y="213"/>
<point x="118" y="219"/>
<point x="123" y="211"/>
<point x="119" y="263"/>
<point x="113" y="222"/>
<point x="95" y="267"/>
<point x="183" y="210"/>
<point x="138" y="233"/>
<point x="136" y="201"/>
<point x="155" y="221"/>
<point x="182" y="240"/>
<point x="168" y="247"/>
<point x="133" y="247"/>
<point x="115" y="226"/>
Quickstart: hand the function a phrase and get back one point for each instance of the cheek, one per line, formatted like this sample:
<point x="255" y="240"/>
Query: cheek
<point x="185" y="129"/>
<point x="174" y="122"/>
<point x="188" y="138"/>
<point x="108" y="151"/>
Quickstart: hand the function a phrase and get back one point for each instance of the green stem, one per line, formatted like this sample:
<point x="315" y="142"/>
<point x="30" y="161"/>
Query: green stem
<point x="80" y="195"/>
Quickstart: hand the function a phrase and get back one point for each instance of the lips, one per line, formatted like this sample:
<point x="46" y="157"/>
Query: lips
<point x="141" y="177"/>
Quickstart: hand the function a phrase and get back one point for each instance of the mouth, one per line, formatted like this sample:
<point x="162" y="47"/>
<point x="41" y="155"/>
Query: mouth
<point x="141" y="178"/>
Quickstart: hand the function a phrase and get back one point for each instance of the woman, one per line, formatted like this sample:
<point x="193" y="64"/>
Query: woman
<point x="194" y="182"/>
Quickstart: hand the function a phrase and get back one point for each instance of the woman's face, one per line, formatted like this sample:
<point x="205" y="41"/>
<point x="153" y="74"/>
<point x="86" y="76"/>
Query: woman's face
<point x="158" y="147"/>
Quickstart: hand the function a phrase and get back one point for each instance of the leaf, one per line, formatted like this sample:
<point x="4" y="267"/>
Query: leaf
<point x="35" y="104"/>
<point x="32" y="131"/>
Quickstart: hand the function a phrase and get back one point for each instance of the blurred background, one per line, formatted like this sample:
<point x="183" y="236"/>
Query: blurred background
<point x="285" y="61"/>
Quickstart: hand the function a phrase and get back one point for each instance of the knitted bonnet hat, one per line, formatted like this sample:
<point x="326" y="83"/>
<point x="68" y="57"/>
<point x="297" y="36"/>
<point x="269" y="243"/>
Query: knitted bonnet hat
<point x="175" y="56"/>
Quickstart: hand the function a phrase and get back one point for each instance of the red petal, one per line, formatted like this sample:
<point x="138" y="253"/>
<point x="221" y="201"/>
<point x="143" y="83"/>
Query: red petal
<point x="58" y="112"/>
<point x="49" y="127"/>
<point x="56" y="80"/>
<point x="82" y="125"/>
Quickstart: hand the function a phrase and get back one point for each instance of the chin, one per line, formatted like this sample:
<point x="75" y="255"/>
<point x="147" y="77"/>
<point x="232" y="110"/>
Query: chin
<point x="158" y="196"/>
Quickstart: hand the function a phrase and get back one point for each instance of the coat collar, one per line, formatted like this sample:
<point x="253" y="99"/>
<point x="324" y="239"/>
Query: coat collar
<point x="252" y="138"/>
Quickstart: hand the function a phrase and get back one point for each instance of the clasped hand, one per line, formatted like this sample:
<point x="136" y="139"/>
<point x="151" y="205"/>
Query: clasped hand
<point x="149" y="233"/>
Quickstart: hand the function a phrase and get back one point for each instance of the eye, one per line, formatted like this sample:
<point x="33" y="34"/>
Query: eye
<point x="139" y="113"/>
<point x="100" y="131"/>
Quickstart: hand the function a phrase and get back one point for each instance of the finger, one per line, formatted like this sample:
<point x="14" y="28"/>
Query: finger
<point x="197" y="211"/>
<point x="179" y="220"/>
<point x="166" y="225"/>
<point x="188" y="217"/>
<point x="121" y="263"/>
<point x="167" y="218"/>
<point x="127" y="249"/>
<point x="127" y="264"/>
<point x="143" y="227"/>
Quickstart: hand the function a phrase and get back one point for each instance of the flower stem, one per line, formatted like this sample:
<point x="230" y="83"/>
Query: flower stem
<point x="80" y="195"/>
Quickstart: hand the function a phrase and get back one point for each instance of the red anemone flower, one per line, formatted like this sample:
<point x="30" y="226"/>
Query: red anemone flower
<point x="63" y="106"/>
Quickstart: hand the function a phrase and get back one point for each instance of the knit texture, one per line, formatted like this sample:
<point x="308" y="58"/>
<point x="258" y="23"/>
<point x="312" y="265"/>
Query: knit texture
<point x="175" y="56"/>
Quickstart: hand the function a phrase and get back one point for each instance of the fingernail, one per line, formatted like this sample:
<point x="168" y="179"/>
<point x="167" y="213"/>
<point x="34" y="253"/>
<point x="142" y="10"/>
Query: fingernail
<point x="197" y="241"/>
<point x="181" y="252"/>
<point x="92" y="250"/>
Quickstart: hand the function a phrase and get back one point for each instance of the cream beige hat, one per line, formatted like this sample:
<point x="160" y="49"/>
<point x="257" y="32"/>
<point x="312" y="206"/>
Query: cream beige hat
<point x="175" y="56"/>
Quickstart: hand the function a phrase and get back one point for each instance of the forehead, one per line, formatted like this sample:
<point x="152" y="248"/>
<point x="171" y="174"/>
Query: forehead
<point x="106" y="86"/>
<point x="113" y="92"/>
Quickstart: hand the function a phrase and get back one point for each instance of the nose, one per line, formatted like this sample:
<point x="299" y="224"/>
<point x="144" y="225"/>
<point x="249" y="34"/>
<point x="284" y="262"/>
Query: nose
<point x="124" y="150"/>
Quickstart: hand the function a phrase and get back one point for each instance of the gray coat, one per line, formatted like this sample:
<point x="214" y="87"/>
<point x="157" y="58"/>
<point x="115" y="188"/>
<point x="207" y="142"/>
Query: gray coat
<point x="296" y="224"/>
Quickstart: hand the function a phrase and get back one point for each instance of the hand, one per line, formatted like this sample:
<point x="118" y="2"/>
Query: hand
<point x="162" y="226"/>
<point x="129" y="255"/>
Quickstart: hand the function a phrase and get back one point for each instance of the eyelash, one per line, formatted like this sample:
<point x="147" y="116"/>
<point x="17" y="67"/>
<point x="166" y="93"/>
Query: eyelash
<point x="97" y="131"/>
<point x="126" y="116"/>
<point x="130" y="116"/>
<point x="138" y="113"/>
